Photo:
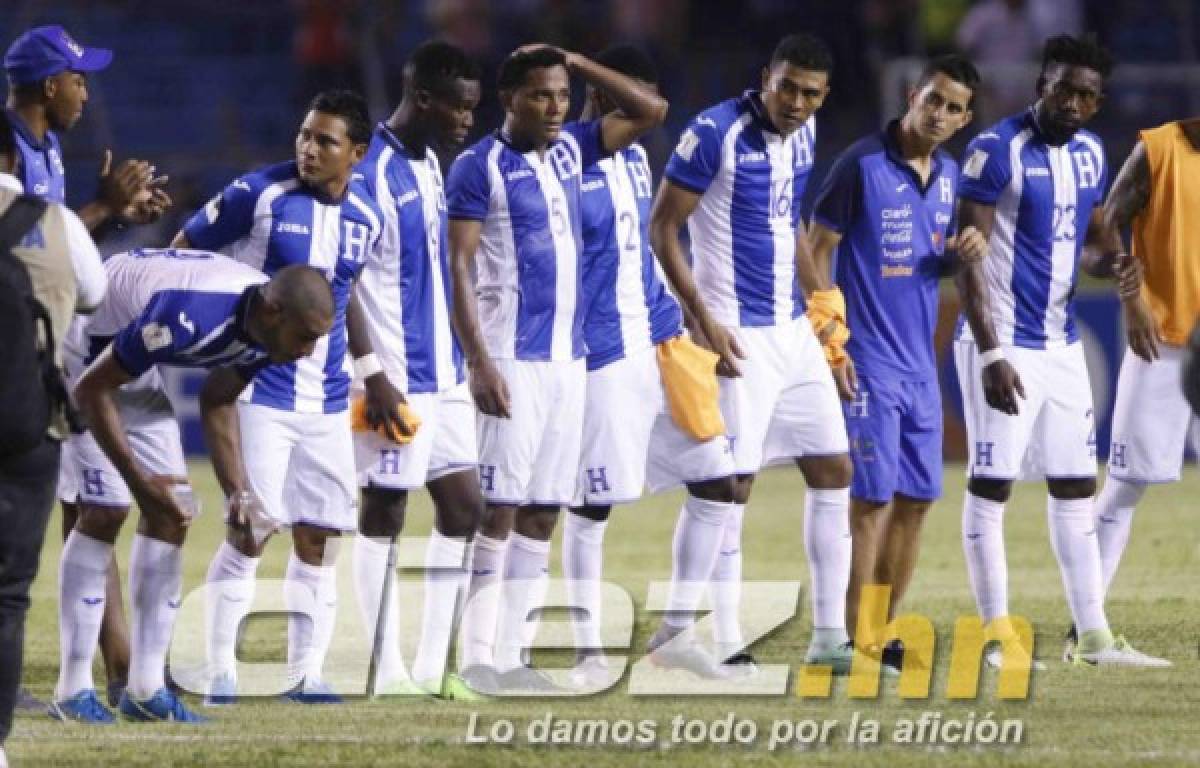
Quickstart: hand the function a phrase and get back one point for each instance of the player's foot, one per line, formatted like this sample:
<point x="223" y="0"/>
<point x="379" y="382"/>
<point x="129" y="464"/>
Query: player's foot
<point x="451" y="688"/>
<point x="995" y="659"/>
<point x="163" y="706"/>
<point x="739" y="665"/>
<point x="687" y="656"/>
<point x="314" y="692"/>
<point x="113" y="691"/>
<point x="27" y="702"/>
<point x="1120" y="653"/>
<point x="481" y="678"/>
<point x="83" y="707"/>
<point x="1069" y="646"/>
<point x="526" y="681"/>
<point x="591" y="672"/>
<point x="405" y="687"/>
<point x="222" y="691"/>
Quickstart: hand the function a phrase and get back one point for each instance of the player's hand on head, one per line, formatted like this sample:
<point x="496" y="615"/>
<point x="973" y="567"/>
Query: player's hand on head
<point x="1141" y="331"/>
<point x="845" y="376"/>
<point x="1002" y="385"/>
<point x="383" y="405"/>
<point x="490" y="390"/>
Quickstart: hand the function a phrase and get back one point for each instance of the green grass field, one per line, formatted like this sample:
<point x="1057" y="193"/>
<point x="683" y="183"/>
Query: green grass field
<point x="1088" y="717"/>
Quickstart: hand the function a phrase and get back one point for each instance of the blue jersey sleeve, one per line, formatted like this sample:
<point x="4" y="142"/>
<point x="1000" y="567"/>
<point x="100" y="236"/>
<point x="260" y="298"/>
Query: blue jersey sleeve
<point x="590" y="137"/>
<point x="155" y="337"/>
<point x="986" y="170"/>
<point x="697" y="157"/>
<point x="840" y="193"/>
<point x="467" y="187"/>
<point x="226" y="218"/>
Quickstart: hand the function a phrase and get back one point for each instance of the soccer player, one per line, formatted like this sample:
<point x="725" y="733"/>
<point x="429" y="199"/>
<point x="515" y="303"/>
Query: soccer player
<point x="736" y="178"/>
<point x="47" y="75"/>
<point x="1155" y="193"/>
<point x="1030" y="185"/>
<point x="628" y="432"/>
<point x="163" y="307"/>
<point x="514" y="202"/>
<point x="297" y="452"/>
<point x="405" y="296"/>
<point x="886" y="210"/>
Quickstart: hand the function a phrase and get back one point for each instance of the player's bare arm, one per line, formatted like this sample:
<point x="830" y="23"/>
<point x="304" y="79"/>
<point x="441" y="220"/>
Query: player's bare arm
<point x="1001" y="384"/>
<point x="383" y="399"/>
<point x="1129" y="195"/>
<point x="222" y="436"/>
<point x="488" y="387"/>
<point x="94" y="394"/>
<point x="639" y="109"/>
<point x="672" y="207"/>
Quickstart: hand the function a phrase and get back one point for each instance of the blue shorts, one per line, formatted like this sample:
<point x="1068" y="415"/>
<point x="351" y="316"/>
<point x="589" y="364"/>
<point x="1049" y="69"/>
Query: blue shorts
<point x="895" y="431"/>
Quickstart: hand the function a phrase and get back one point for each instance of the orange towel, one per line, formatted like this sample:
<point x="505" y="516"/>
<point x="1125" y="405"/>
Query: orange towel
<point x="358" y="421"/>
<point x="689" y="376"/>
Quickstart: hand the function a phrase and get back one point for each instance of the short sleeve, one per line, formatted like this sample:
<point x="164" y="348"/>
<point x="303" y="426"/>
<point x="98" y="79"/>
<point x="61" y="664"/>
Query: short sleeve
<point x="697" y="157"/>
<point x="249" y="370"/>
<point x="154" y="337"/>
<point x="91" y="280"/>
<point x="589" y="135"/>
<point x="837" y="200"/>
<point x="226" y="218"/>
<point x="986" y="171"/>
<point x="467" y="187"/>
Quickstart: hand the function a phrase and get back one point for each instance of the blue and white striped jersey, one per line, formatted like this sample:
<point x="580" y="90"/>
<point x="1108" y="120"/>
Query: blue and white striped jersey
<point x="39" y="164"/>
<point x="176" y="307"/>
<point x="1044" y="196"/>
<point x="269" y="219"/>
<point x="629" y="307"/>
<point x="405" y="288"/>
<point x="528" y="265"/>
<point x="743" y="232"/>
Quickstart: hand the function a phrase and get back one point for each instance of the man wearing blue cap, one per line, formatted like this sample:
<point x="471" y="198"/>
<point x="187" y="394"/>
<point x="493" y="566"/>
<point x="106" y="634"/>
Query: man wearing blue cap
<point x="47" y="73"/>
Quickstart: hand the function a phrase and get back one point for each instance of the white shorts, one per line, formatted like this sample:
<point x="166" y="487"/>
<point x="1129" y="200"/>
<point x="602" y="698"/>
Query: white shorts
<point x="533" y="457"/>
<point x="300" y="465"/>
<point x="630" y="441"/>
<point x="1150" y="419"/>
<point x="785" y="404"/>
<point x="444" y="444"/>
<point x="1053" y="435"/>
<point x="68" y="488"/>
<point x="154" y="440"/>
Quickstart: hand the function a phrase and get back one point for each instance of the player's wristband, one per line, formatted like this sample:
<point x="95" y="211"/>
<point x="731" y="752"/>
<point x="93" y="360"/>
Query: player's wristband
<point x="992" y="355"/>
<point x="367" y="366"/>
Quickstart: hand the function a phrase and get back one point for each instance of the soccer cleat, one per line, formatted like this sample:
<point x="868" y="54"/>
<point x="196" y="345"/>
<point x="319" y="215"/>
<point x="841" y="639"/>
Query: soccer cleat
<point x="27" y="702"/>
<point x="1119" y="654"/>
<point x="163" y="706"/>
<point x="591" y="672"/>
<point x="83" y="707"/>
<point x="841" y="658"/>
<point x="995" y="659"/>
<point x="222" y="691"/>
<point x="526" y="681"/>
<point x="689" y="656"/>
<point x="480" y="678"/>
<point x="454" y="688"/>
<point x="113" y="691"/>
<point x="1069" y="646"/>
<point x="740" y="664"/>
<point x="312" y="693"/>
<point x="405" y="687"/>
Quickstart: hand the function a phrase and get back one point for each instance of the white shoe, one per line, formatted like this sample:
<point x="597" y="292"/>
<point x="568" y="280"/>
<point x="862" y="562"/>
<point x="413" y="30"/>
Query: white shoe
<point x="668" y="654"/>
<point x="591" y="673"/>
<point x="739" y="665"/>
<point x="1119" y="654"/>
<point x="995" y="660"/>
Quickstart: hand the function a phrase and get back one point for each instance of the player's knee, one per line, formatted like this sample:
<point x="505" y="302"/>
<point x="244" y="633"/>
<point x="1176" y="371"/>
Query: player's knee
<point x="742" y="485"/>
<point x="497" y="521"/>
<point x="593" y="512"/>
<point x="100" y="521"/>
<point x="537" y="522"/>
<point x="459" y="520"/>
<point x="1072" y="488"/>
<point x="382" y="513"/>
<point x="723" y="489"/>
<point x="313" y="545"/>
<point x="990" y="488"/>
<point x="827" y="471"/>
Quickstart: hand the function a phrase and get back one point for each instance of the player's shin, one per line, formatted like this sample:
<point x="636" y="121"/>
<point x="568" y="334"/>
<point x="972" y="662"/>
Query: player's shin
<point x="82" y="578"/>
<point x="1114" y="518"/>
<point x="526" y="574"/>
<point x="483" y="601"/>
<point x="583" y="567"/>
<point x="726" y="586"/>
<point x="373" y="578"/>
<point x="828" y="545"/>
<point x="1073" y="536"/>
<point x="155" y="579"/>
<point x="231" y="588"/>
<point x="445" y="587"/>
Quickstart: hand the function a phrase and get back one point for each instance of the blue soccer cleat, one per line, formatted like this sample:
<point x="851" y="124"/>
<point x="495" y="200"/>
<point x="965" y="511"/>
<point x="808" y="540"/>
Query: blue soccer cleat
<point x="83" y="707"/>
<point x="222" y="691"/>
<point x="163" y="706"/>
<point x="312" y="693"/>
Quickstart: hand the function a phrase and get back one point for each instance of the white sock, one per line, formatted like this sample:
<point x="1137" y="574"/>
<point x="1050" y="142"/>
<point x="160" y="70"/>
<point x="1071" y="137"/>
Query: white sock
<point x="583" y="568"/>
<point x="310" y="594"/>
<point x="231" y="587"/>
<point x="526" y="576"/>
<point x="155" y="580"/>
<point x="694" y="551"/>
<point x="370" y="572"/>
<point x="727" y="585"/>
<point x="82" y="578"/>
<point x="482" y="610"/>
<point x="1073" y="536"/>
<point x="1114" y="517"/>
<point x="983" y="546"/>
<point x="445" y="580"/>
<point x="827" y="545"/>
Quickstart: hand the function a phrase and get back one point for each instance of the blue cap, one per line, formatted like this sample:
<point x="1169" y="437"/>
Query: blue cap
<point x="45" y="51"/>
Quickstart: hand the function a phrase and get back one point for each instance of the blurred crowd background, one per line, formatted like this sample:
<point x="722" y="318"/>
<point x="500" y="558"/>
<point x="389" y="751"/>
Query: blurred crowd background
<point x="209" y="88"/>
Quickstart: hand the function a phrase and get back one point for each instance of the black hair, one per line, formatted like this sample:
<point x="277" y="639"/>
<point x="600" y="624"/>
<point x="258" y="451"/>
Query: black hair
<point x="436" y="64"/>
<point x="629" y="61"/>
<point x="349" y="106"/>
<point x="804" y="51"/>
<point x="517" y="66"/>
<point x="957" y="68"/>
<point x="1077" y="52"/>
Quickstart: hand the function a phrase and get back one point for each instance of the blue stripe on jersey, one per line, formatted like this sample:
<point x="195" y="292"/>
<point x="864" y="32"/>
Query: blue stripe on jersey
<point x="39" y="164"/>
